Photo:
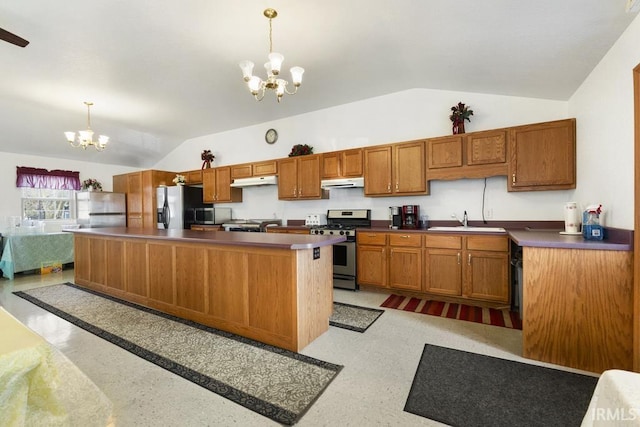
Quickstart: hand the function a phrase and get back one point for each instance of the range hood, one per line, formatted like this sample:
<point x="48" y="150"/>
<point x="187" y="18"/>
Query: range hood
<point x="255" y="181"/>
<point x="342" y="183"/>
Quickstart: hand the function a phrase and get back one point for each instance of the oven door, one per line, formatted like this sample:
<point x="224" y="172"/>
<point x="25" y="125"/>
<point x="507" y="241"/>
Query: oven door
<point x="344" y="259"/>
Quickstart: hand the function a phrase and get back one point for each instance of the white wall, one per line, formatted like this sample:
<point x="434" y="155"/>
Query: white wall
<point x="402" y="116"/>
<point x="10" y="195"/>
<point x="603" y="107"/>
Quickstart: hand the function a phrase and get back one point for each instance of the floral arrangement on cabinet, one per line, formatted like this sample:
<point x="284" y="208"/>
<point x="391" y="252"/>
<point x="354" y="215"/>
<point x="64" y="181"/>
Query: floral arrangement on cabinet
<point x="179" y="179"/>
<point x="460" y="113"/>
<point x="207" y="157"/>
<point x="300" y="150"/>
<point x="91" y="184"/>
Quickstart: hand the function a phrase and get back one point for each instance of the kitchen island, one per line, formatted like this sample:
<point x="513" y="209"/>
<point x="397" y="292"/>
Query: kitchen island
<point x="578" y="300"/>
<point x="273" y="288"/>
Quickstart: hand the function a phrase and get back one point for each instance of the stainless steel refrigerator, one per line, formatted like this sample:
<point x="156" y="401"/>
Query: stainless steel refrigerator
<point x="101" y="209"/>
<point x="174" y="203"/>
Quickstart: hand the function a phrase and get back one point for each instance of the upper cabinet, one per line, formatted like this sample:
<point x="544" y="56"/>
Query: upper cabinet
<point x="192" y="177"/>
<point x="342" y="164"/>
<point x="299" y="178"/>
<point x="542" y="156"/>
<point x="248" y="170"/>
<point x="473" y="155"/>
<point x="395" y="170"/>
<point x="216" y="186"/>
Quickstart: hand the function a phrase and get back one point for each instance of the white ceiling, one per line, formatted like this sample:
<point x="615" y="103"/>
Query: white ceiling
<point x="163" y="71"/>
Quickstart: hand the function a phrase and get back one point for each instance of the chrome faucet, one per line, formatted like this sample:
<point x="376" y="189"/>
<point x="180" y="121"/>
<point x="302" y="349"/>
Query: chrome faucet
<point x="464" y="221"/>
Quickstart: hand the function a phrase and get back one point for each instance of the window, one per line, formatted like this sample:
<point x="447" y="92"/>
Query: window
<point x="46" y="204"/>
<point x="47" y="195"/>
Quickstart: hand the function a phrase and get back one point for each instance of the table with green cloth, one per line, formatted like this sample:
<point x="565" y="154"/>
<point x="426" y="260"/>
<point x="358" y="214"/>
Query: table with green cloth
<point x="25" y="252"/>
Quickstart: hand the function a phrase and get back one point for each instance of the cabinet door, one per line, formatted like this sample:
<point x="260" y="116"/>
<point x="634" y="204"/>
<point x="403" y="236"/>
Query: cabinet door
<point x="372" y="265"/>
<point x="351" y="163"/>
<point x="287" y="178"/>
<point x="485" y="148"/>
<point x="192" y="177"/>
<point x="309" y="177"/>
<point x="542" y="156"/>
<point x="208" y="185"/>
<point x="444" y="152"/>
<point x="405" y="268"/>
<point x="409" y="168"/>
<point x="377" y="171"/>
<point x="443" y="271"/>
<point x="241" y="171"/>
<point x="134" y="200"/>
<point x="487" y="275"/>
<point x="223" y="184"/>
<point x="264" y="168"/>
<point x="331" y="165"/>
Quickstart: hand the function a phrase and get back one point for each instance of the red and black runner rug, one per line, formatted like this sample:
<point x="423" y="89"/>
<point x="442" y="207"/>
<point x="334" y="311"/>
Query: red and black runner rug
<point x="470" y="313"/>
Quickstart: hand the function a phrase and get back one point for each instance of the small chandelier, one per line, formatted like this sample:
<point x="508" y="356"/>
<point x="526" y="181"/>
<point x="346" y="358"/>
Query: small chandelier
<point x="85" y="137"/>
<point x="258" y="86"/>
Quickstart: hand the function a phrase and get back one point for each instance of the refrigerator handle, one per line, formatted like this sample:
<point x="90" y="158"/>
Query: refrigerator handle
<point x="165" y="213"/>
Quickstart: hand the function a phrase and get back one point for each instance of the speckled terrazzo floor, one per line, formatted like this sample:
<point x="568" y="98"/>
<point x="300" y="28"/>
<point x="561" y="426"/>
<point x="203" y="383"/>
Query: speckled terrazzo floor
<point x="372" y="388"/>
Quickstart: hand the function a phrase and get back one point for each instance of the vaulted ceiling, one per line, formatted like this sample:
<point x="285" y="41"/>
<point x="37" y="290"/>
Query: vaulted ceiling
<point x="162" y="71"/>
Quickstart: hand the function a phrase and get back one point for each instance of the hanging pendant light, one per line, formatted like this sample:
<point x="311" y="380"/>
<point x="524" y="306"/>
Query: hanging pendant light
<point x="85" y="137"/>
<point x="257" y="86"/>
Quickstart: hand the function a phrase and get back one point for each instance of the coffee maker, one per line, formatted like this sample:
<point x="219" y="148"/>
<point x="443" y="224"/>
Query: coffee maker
<point x="395" y="214"/>
<point x="410" y="216"/>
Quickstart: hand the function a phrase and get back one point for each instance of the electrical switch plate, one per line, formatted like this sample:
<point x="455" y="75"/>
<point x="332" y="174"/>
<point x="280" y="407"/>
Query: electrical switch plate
<point x="316" y="253"/>
<point x="488" y="213"/>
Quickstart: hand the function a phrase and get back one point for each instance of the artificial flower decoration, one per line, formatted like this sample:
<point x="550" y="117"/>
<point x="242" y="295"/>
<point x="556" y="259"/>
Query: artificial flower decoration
<point x="91" y="184"/>
<point x="460" y="113"/>
<point x="207" y="157"/>
<point x="179" y="179"/>
<point x="300" y="150"/>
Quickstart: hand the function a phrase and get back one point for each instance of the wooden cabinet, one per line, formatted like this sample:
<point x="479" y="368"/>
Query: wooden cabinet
<point x="247" y="170"/>
<point x="342" y="164"/>
<point x="389" y="260"/>
<point x="395" y="170"/>
<point x="192" y="177"/>
<point x="299" y="178"/>
<point x="473" y="155"/>
<point x="542" y="156"/>
<point x="474" y="267"/>
<point x="216" y="186"/>
<point x="371" y="259"/>
<point x="140" y="189"/>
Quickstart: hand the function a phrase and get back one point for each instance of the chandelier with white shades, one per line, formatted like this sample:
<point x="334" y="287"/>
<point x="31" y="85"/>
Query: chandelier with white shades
<point x="256" y="85"/>
<point x="85" y="137"/>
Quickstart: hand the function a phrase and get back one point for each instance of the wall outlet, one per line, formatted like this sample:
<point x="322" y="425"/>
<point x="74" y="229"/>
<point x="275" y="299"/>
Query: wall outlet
<point x="488" y="213"/>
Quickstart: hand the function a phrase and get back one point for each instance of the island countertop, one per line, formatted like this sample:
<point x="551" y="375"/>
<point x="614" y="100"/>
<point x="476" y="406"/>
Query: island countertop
<point x="266" y="240"/>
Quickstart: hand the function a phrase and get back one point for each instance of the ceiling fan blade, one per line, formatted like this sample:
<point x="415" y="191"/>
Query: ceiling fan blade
<point x="12" y="38"/>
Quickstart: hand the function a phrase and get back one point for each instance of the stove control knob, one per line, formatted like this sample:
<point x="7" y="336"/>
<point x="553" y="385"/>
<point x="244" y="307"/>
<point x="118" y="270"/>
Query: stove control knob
<point x="321" y="231"/>
<point x="341" y="232"/>
<point x="331" y="232"/>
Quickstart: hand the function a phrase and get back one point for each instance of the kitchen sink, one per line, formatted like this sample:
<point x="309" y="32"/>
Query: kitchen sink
<point x="470" y="229"/>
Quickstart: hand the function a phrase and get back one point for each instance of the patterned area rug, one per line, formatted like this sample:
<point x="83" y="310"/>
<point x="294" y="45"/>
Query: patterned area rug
<point x="353" y="317"/>
<point x="470" y="313"/>
<point x="276" y="383"/>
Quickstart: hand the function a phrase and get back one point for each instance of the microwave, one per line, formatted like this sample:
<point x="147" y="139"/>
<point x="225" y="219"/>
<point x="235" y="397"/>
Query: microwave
<point x="210" y="216"/>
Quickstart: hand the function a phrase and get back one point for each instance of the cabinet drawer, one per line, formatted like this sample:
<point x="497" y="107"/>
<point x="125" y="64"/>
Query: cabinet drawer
<point x="368" y="238"/>
<point x="405" y="239"/>
<point x="488" y="243"/>
<point x="442" y="241"/>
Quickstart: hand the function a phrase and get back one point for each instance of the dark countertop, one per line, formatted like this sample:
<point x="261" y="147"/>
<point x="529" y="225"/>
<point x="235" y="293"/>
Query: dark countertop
<point x="265" y="240"/>
<point x="616" y="240"/>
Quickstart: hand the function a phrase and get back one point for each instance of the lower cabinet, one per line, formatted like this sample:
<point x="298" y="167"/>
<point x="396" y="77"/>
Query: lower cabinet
<point x="474" y="267"/>
<point x="390" y="260"/>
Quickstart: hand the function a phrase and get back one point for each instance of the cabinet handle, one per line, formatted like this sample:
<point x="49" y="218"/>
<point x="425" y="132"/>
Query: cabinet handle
<point x="513" y="178"/>
<point x="405" y="236"/>
<point x="389" y="187"/>
<point x="469" y="260"/>
<point x="458" y="258"/>
<point x="396" y="186"/>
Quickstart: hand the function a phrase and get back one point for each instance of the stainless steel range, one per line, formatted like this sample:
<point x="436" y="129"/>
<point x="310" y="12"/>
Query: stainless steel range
<point x="344" y="223"/>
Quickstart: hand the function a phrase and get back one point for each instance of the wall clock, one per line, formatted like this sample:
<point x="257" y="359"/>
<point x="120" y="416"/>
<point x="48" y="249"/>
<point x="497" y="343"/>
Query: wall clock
<point x="271" y="136"/>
